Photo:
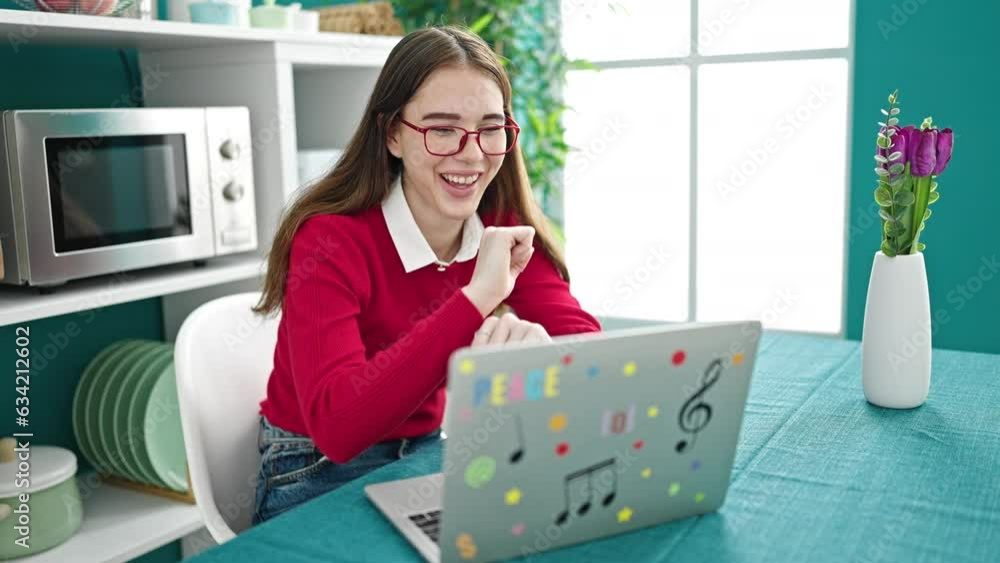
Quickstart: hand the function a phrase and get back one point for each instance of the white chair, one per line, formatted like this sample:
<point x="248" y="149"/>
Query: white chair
<point x="223" y="356"/>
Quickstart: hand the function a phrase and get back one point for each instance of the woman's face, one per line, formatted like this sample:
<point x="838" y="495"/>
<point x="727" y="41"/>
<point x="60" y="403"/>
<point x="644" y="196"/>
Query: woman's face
<point x="448" y="187"/>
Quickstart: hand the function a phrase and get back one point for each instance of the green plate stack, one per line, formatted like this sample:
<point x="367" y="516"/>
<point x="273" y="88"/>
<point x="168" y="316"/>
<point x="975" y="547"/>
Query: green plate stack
<point x="126" y="416"/>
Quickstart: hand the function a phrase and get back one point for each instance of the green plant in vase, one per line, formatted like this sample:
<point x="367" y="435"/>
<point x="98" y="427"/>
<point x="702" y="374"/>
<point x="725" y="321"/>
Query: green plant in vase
<point x="896" y="339"/>
<point x="908" y="162"/>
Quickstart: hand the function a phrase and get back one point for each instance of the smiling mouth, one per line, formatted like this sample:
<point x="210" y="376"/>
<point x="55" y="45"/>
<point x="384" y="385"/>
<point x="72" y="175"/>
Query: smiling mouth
<point x="460" y="181"/>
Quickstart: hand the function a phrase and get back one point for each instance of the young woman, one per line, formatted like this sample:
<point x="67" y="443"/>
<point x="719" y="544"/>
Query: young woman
<point x="393" y="261"/>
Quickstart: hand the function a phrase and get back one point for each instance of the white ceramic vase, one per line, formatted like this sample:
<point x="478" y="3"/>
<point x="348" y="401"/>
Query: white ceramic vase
<point x="896" y="342"/>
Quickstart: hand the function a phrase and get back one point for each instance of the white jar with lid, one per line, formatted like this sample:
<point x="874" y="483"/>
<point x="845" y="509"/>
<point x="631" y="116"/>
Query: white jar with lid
<point x="47" y="480"/>
<point x="304" y="20"/>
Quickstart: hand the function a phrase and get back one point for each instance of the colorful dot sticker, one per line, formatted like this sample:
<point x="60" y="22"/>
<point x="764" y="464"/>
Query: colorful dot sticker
<point x="625" y="514"/>
<point x="653" y="411"/>
<point x="517" y="529"/>
<point x="593" y="371"/>
<point x="698" y="497"/>
<point x="696" y="465"/>
<point x="737" y="358"/>
<point x="465" y="413"/>
<point x="467" y="367"/>
<point x="562" y="449"/>
<point x="512" y="497"/>
<point x="557" y="422"/>
<point x="674" y="489"/>
<point x="567" y="359"/>
<point x="678" y="357"/>
<point x="480" y="471"/>
<point x="466" y="546"/>
<point x="638" y="444"/>
<point x="646" y="473"/>
<point x="629" y="369"/>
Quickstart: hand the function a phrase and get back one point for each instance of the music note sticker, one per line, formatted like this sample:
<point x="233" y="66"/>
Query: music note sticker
<point x="605" y="467"/>
<point x="518" y="453"/>
<point x="695" y="415"/>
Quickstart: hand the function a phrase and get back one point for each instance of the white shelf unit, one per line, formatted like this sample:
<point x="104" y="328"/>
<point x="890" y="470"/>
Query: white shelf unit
<point x="302" y="90"/>
<point x="120" y="524"/>
<point x="22" y="304"/>
<point x="67" y="29"/>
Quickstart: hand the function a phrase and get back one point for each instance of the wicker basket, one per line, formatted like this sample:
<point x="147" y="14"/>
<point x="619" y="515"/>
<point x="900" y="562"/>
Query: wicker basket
<point x="371" y="18"/>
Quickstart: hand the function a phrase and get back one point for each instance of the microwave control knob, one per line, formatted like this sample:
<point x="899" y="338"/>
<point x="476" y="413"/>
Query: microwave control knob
<point x="230" y="149"/>
<point x="233" y="191"/>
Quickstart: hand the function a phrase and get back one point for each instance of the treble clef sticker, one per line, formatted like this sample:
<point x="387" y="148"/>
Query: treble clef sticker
<point x="696" y="413"/>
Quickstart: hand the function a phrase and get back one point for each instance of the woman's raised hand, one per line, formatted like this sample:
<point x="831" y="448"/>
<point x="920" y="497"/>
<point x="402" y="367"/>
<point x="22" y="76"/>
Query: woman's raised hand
<point x="504" y="253"/>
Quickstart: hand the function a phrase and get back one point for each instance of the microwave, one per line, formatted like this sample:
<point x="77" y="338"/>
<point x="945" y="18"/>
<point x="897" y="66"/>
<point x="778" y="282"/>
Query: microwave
<point x="85" y="192"/>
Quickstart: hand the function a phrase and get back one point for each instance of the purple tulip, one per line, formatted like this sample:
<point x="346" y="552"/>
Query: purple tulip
<point x="926" y="157"/>
<point x="898" y="144"/>
<point x="912" y="143"/>
<point x="945" y="142"/>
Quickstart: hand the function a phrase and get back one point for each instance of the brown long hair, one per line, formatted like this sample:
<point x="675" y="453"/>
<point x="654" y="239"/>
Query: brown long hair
<point x="365" y="172"/>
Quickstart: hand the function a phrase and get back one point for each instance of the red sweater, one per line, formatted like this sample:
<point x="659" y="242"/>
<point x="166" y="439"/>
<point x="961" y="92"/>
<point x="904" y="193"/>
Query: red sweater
<point x="363" y="346"/>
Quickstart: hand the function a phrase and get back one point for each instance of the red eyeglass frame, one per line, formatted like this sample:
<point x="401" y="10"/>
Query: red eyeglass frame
<point x="465" y="138"/>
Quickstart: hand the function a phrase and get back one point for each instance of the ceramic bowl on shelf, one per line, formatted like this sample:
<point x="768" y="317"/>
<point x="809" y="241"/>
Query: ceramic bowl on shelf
<point x="88" y="7"/>
<point x="271" y="16"/>
<point x="218" y="12"/>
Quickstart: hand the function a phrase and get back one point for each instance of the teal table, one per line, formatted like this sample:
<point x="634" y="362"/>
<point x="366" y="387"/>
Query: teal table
<point x="820" y="475"/>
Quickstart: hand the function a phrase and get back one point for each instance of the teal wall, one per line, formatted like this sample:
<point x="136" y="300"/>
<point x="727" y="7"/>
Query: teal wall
<point x="943" y="58"/>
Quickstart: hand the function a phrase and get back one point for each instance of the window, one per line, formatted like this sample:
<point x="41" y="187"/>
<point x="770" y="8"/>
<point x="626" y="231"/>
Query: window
<point x="708" y="179"/>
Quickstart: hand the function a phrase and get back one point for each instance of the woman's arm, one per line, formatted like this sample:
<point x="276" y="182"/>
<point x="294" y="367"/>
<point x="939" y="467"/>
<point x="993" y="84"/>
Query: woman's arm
<point x="542" y="296"/>
<point x="349" y="402"/>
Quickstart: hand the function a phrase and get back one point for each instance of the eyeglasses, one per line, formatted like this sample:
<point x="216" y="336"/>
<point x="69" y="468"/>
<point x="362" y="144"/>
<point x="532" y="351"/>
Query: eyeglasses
<point x="446" y="140"/>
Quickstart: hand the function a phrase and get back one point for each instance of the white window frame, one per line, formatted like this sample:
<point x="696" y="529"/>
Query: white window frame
<point x="694" y="61"/>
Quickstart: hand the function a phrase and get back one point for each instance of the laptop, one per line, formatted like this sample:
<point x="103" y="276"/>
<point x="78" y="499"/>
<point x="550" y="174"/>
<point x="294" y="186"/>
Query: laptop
<point x="580" y="438"/>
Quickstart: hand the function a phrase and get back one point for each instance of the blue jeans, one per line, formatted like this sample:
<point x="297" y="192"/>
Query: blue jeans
<point x="293" y="470"/>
